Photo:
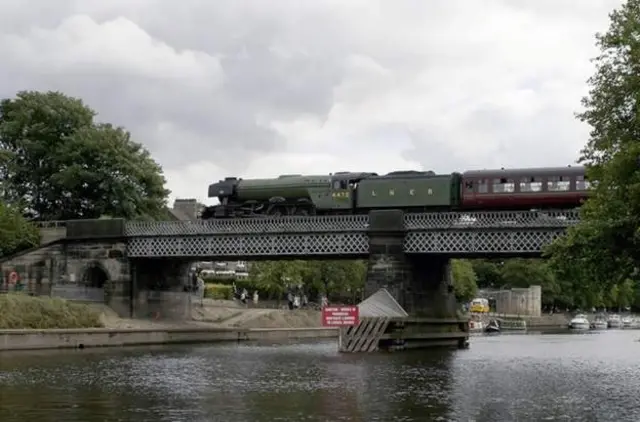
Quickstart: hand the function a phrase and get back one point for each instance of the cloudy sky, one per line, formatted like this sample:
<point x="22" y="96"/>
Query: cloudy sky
<point x="261" y="88"/>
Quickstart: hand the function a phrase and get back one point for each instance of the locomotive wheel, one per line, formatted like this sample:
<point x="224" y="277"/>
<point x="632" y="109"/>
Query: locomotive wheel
<point x="276" y="211"/>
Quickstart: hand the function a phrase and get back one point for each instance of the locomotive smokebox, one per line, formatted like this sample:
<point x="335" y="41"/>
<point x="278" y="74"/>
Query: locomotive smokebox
<point x="223" y="189"/>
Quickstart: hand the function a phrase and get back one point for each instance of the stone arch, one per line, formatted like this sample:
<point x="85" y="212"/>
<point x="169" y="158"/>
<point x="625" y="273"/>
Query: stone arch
<point x="95" y="275"/>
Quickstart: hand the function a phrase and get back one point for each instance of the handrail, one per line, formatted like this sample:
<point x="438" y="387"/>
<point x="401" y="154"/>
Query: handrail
<point x="50" y="224"/>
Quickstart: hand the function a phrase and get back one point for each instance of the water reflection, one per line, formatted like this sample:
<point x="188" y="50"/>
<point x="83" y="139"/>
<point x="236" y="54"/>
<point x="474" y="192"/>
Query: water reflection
<point x="501" y="378"/>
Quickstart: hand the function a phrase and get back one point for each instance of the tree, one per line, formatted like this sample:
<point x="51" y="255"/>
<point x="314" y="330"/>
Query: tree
<point x="340" y="278"/>
<point x="488" y="273"/>
<point x="62" y="165"/>
<point x="274" y="277"/>
<point x="16" y="233"/>
<point x="604" y="249"/>
<point x="464" y="280"/>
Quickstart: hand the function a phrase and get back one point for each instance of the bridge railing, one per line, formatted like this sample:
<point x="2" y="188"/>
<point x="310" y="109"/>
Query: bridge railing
<point x="50" y="224"/>
<point x="491" y="219"/>
<point x="319" y="224"/>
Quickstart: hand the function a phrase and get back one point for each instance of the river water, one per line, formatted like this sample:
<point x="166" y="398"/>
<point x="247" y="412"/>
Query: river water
<point x="559" y="377"/>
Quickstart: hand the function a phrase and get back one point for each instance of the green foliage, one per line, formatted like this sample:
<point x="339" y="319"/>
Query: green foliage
<point x="464" y="280"/>
<point x="60" y="164"/>
<point x="19" y="311"/>
<point x="602" y="253"/>
<point x="16" y="233"/>
<point x="334" y="278"/>
<point x="218" y="291"/>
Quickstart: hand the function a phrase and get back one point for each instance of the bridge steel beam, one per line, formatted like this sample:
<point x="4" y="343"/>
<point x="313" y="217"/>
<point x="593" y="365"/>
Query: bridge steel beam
<point x="250" y="238"/>
<point x="453" y="233"/>
<point x="485" y="232"/>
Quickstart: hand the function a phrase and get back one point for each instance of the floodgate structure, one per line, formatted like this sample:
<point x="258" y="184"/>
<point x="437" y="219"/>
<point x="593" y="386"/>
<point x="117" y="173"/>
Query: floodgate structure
<point x="408" y="253"/>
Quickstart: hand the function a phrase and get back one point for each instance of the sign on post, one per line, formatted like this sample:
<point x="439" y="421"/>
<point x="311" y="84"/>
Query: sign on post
<point x="340" y="316"/>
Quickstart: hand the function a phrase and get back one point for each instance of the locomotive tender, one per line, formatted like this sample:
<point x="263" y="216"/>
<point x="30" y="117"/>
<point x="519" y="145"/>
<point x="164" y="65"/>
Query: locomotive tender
<point x="411" y="191"/>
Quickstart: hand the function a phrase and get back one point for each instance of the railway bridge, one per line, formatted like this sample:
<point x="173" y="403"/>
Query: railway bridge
<point x="407" y="253"/>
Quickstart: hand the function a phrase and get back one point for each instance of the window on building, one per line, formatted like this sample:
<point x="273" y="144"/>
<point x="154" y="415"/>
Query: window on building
<point x="558" y="183"/>
<point x="503" y="185"/>
<point x="530" y="184"/>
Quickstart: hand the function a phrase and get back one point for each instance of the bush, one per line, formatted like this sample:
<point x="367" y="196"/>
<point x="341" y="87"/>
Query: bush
<point x="218" y="291"/>
<point x="19" y="311"/>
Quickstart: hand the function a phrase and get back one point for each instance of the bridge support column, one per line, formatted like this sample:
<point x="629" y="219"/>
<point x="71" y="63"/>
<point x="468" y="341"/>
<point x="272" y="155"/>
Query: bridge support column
<point x="421" y="284"/>
<point x="157" y="289"/>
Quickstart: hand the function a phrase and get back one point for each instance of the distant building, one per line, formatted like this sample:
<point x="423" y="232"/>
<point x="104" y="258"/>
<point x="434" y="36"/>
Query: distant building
<point x="232" y="270"/>
<point x="186" y="209"/>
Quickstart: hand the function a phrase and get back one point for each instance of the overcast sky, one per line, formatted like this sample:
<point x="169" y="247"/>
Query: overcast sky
<point x="259" y="88"/>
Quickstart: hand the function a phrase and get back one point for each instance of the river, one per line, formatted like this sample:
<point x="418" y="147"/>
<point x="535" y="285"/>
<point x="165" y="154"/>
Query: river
<point x="535" y="377"/>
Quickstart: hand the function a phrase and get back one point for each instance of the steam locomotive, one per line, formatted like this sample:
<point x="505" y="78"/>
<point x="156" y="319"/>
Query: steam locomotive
<point x="411" y="191"/>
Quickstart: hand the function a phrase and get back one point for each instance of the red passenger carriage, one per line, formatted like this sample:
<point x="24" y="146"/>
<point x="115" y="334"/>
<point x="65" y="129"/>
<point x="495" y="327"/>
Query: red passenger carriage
<point x="518" y="189"/>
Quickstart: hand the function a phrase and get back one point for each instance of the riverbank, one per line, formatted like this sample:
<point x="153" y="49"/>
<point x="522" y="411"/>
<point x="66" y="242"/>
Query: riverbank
<point x="48" y="323"/>
<point x="19" y="311"/>
<point x="108" y="337"/>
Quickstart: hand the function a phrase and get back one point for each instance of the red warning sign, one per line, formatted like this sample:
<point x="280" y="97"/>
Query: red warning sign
<point x="340" y="316"/>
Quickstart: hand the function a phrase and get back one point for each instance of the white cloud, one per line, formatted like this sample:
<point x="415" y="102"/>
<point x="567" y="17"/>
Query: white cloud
<point x="257" y="89"/>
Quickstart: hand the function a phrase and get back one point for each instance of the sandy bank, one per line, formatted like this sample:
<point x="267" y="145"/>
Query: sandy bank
<point x="219" y="314"/>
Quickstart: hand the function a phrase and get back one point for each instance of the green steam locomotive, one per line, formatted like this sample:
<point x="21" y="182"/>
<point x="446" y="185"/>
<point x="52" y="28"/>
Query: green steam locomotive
<point x="338" y="193"/>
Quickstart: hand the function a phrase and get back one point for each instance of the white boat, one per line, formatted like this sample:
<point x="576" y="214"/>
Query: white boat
<point x="579" y="322"/>
<point x="476" y="326"/>
<point x="614" y="321"/>
<point x="630" y="322"/>
<point x="599" y="324"/>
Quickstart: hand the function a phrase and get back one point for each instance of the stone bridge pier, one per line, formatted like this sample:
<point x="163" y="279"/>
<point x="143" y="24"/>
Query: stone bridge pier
<point x="157" y="288"/>
<point x="420" y="283"/>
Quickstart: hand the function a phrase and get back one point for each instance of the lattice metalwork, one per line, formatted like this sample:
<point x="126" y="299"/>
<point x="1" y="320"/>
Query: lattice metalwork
<point x="319" y="224"/>
<point x="230" y="246"/>
<point x="491" y="219"/>
<point x="471" y="242"/>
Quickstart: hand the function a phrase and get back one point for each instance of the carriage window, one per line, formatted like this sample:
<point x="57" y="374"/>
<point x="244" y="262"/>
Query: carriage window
<point x="503" y="185"/>
<point x="558" y="183"/>
<point x="483" y="186"/>
<point x="582" y="183"/>
<point x="468" y="186"/>
<point x="530" y="184"/>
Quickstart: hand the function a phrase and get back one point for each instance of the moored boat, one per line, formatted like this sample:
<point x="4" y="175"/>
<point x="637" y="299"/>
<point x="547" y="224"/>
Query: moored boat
<point x="476" y="326"/>
<point x="630" y="322"/>
<point x="614" y="321"/>
<point x="599" y="324"/>
<point x="492" y="327"/>
<point x="579" y="322"/>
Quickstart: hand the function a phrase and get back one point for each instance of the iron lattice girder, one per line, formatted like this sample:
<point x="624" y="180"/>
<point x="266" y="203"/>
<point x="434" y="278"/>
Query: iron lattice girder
<point x="492" y="219"/>
<point x="247" y="245"/>
<point x="462" y="242"/>
<point x="279" y="225"/>
<point x="353" y="223"/>
<point x="459" y="242"/>
<point x="449" y="232"/>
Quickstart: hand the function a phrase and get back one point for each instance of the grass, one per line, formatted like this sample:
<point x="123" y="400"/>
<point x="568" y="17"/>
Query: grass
<point x="19" y="311"/>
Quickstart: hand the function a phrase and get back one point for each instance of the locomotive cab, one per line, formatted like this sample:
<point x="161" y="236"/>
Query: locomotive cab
<point x="344" y="186"/>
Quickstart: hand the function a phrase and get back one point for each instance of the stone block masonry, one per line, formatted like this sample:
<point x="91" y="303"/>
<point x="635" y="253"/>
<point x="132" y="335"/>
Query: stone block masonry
<point x="420" y="283"/>
<point x="98" y="264"/>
